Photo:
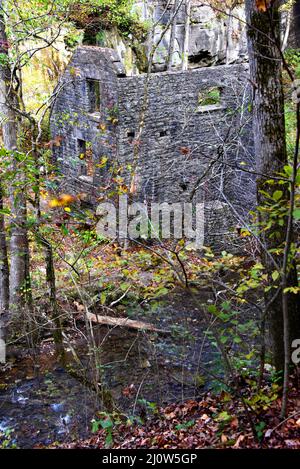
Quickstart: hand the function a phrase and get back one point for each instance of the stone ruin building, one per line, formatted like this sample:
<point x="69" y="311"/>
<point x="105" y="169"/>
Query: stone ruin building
<point x="196" y="134"/>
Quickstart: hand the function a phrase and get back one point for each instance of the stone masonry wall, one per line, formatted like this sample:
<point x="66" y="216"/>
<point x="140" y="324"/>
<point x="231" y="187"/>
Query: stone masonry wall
<point x="191" y="142"/>
<point x="180" y="138"/>
<point x="189" y="149"/>
<point x="71" y="120"/>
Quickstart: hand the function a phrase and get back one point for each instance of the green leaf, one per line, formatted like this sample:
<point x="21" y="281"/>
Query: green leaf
<point x="294" y="290"/>
<point x="224" y="417"/>
<point x="288" y="170"/>
<point x="277" y="195"/>
<point x="296" y="214"/>
<point x="5" y="211"/>
<point x="95" y="426"/>
<point x="223" y="339"/>
<point x="103" y="298"/>
<point x="275" y="275"/>
<point x="109" y="439"/>
<point x="161" y="292"/>
<point x="226" y="306"/>
<point x="184" y="426"/>
<point x="212" y="309"/>
<point x="64" y="230"/>
<point x="237" y="340"/>
<point x="106" y="423"/>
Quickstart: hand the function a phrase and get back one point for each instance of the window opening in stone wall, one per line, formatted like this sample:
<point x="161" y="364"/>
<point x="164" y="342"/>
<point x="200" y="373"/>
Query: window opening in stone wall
<point x="81" y="144"/>
<point x="131" y="134"/>
<point x="210" y="97"/>
<point x="163" y="133"/>
<point x="94" y="95"/>
<point x="85" y="154"/>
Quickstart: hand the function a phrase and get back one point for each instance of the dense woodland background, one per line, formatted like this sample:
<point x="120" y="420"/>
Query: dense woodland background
<point x="138" y="343"/>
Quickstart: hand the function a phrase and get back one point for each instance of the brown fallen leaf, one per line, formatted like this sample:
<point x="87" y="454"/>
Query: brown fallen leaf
<point x="170" y="416"/>
<point x="239" y="441"/>
<point x="129" y="391"/>
<point x="234" y="423"/>
<point x="79" y="307"/>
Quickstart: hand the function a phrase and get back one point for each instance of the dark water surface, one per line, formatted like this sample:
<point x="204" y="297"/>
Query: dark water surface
<point x="138" y="367"/>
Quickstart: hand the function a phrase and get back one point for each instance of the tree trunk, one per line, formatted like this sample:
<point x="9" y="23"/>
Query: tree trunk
<point x="286" y="35"/>
<point x="55" y="317"/>
<point x="172" y="36"/>
<point x="271" y="154"/>
<point x="4" y="270"/>
<point x="296" y="24"/>
<point x="185" y="60"/>
<point x="18" y="242"/>
<point x="229" y="36"/>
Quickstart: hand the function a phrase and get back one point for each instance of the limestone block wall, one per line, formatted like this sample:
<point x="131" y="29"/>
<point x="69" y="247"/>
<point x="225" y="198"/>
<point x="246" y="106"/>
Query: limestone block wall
<point x="197" y="133"/>
<point x="181" y="138"/>
<point x="73" y="123"/>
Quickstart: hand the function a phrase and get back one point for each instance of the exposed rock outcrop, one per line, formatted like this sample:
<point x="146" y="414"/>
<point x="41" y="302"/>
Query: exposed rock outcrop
<point x="214" y="37"/>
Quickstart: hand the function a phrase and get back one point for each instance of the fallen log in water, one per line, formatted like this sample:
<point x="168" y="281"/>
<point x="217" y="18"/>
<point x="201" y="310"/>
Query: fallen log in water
<point x="124" y="322"/>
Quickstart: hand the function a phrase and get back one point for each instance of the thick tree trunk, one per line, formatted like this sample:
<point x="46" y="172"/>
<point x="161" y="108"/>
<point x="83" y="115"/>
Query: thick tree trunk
<point x="19" y="250"/>
<point x="271" y="154"/>
<point x="18" y="243"/>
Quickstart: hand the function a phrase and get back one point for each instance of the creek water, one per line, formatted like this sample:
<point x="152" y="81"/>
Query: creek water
<point x="39" y="406"/>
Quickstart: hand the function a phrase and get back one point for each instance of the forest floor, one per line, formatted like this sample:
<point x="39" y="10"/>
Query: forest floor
<point x="168" y="387"/>
<point x="55" y="410"/>
<point x="213" y="422"/>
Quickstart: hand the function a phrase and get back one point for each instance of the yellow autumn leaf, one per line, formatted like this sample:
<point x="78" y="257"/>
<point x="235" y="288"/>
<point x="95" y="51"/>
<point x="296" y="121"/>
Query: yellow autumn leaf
<point x="245" y="233"/>
<point x="64" y="200"/>
<point x="54" y="203"/>
<point x="43" y="194"/>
